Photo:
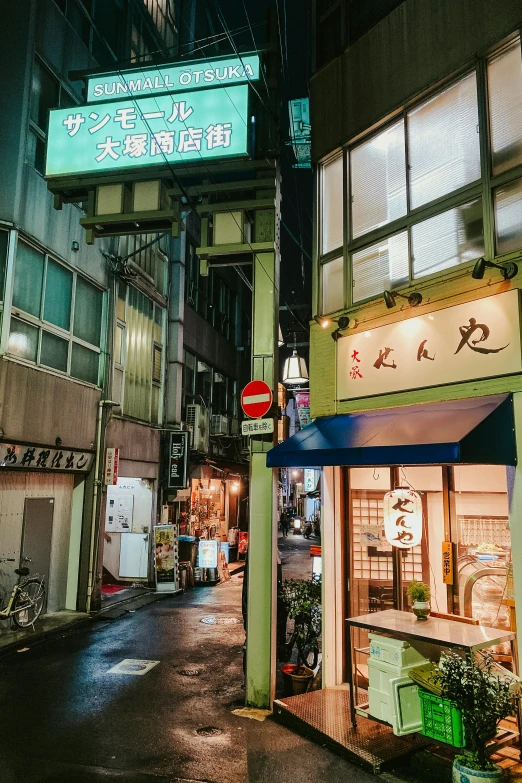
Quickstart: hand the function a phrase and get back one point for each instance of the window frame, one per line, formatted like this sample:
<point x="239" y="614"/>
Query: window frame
<point x="43" y="325"/>
<point x="482" y="188"/>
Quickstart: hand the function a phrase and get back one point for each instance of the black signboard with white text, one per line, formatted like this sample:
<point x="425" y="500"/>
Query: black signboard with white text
<point x="178" y="460"/>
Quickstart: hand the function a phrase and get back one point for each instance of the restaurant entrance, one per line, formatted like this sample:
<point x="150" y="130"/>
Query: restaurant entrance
<point x="465" y="513"/>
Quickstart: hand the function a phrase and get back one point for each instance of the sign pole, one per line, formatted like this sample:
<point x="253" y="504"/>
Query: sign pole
<point x="261" y="616"/>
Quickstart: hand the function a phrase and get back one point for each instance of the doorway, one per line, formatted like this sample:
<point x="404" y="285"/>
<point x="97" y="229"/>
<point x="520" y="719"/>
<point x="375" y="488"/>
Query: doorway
<point x="37" y="537"/>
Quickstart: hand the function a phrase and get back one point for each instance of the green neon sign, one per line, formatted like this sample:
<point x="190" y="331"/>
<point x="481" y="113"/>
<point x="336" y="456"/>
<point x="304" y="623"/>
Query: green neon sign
<point x="191" y="126"/>
<point x="140" y="82"/>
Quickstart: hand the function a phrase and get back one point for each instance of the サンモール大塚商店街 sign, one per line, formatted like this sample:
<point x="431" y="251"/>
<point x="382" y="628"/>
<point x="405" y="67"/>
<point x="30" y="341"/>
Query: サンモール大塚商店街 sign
<point x="26" y="457"/>
<point x="479" y="339"/>
<point x="188" y="126"/>
<point x="140" y="82"/>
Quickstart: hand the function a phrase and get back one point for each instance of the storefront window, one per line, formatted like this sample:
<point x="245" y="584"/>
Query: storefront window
<point x="378" y="172"/>
<point x="333" y="285"/>
<point x="505" y="108"/>
<point x="483" y="543"/>
<point x="421" y="175"/>
<point x="380" y="267"/>
<point x="332" y="204"/>
<point x="508" y="215"/>
<point x="444" y="143"/>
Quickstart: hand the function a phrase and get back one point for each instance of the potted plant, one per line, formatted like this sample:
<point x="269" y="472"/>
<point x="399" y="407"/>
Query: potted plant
<point x="483" y="699"/>
<point x="302" y="602"/>
<point x="419" y="593"/>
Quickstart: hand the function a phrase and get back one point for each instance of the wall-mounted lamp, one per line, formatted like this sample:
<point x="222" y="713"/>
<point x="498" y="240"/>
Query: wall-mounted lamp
<point x="414" y="299"/>
<point x="508" y="270"/>
<point x="342" y="323"/>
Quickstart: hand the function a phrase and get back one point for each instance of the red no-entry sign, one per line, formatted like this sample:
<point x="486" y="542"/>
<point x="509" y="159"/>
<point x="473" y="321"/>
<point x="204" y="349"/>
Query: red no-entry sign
<point x="256" y="399"/>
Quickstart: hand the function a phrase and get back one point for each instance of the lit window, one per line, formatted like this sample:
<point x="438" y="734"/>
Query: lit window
<point x="505" y="108"/>
<point x="380" y="267"/>
<point x="332" y="204"/>
<point x="444" y="142"/>
<point x="378" y="172"/>
<point x="333" y="285"/>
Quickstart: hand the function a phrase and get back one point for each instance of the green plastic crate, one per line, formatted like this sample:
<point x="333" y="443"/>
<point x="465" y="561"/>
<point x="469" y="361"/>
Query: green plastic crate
<point x="441" y="720"/>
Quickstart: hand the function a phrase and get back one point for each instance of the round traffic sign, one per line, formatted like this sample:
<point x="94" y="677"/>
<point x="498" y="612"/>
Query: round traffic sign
<point x="256" y="399"/>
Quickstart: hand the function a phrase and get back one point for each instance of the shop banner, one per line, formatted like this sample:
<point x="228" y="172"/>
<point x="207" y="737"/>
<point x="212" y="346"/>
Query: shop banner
<point x="302" y="401"/>
<point x="309" y="480"/>
<point x="24" y="457"/>
<point x="178" y="459"/>
<point x="479" y="339"/>
<point x="112" y="458"/>
<point x="207" y="554"/>
<point x="165" y="552"/>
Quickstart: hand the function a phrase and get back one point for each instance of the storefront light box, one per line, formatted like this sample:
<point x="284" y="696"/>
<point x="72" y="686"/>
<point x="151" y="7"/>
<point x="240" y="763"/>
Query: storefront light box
<point x="124" y="134"/>
<point x="141" y="82"/>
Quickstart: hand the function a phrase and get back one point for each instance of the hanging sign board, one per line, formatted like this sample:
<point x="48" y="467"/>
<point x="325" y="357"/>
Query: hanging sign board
<point x="140" y="82"/>
<point x="112" y="457"/>
<point x="447" y="563"/>
<point x="175" y="128"/>
<point x="256" y="399"/>
<point x="178" y="460"/>
<point x="479" y="339"/>
<point x="309" y="480"/>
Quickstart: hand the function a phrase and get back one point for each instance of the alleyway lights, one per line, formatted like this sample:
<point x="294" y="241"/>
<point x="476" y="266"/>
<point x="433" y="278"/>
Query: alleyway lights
<point x="342" y="323"/>
<point x="295" y="370"/>
<point x="508" y="270"/>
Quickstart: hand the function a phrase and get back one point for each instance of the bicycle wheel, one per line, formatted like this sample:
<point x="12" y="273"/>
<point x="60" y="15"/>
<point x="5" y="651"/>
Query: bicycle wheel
<point x="28" y="603"/>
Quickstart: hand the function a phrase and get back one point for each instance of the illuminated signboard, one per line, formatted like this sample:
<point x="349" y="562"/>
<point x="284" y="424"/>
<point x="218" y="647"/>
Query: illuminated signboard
<point x="123" y="134"/>
<point x="141" y="82"/>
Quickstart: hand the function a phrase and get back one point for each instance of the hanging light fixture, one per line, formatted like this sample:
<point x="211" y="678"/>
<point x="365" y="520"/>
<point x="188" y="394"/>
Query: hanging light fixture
<point x="403" y="517"/>
<point x="294" y="369"/>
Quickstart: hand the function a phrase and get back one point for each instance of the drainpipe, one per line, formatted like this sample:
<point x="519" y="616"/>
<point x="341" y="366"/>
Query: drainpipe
<point x="93" y="549"/>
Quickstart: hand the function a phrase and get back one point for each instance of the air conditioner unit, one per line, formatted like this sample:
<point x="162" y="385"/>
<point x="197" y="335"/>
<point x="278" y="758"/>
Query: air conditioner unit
<point x="198" y="424"/>
<point x="234" y="426"/>
<point x="219" y="425"/>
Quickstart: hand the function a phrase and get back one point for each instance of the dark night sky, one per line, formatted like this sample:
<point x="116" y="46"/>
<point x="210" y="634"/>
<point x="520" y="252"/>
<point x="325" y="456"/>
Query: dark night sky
<point x="296" y="54"/>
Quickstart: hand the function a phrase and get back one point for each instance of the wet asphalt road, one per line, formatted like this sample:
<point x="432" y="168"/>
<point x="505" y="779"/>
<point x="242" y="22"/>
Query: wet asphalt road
<point x="64" y="719"/>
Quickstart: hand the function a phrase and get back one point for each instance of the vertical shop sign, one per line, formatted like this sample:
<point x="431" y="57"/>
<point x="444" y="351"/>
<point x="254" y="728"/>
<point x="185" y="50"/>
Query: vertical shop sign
<point x="447" y="563"/>
<point x="302" y="400"/>
<point x="164" y="544"/>
<point x="112" y="458"/>
<point x="178" y="459"/>
<point x="309" y="480"/>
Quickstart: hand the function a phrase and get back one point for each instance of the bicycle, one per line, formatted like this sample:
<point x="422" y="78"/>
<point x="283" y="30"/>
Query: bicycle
<point x="27" y="598"/>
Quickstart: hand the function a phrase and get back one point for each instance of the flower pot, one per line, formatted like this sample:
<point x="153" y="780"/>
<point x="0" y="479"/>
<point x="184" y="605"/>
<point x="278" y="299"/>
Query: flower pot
<point x="421" y="609"/>
<point x="463" y="774"/>
<point x="294" y="684"/>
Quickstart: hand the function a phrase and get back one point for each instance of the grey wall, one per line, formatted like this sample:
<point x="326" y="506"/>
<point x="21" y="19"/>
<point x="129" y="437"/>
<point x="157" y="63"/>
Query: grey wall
<point x="419" y="43"/>
<point x="203" y="340"/>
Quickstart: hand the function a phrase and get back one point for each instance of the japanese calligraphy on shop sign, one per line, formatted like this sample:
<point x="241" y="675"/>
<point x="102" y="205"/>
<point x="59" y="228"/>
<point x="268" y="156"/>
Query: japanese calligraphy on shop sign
<point x="148" y="131"/>
<point x="480" y="339"/>
<point x="24" y="457"/>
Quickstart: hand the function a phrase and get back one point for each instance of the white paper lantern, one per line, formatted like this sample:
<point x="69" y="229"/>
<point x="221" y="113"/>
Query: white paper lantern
<point x="403" y="518"/>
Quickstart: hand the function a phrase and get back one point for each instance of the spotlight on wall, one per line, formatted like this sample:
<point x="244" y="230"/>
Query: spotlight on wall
<point x="414" y="299"/>
<point x="323" y="321"/>
<point x="342" y="323"/>
<point x="508" y="270"/>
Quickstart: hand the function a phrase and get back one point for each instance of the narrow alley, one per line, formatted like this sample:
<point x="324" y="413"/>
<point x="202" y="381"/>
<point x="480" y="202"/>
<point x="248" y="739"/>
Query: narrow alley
<point x="174" y="723"/>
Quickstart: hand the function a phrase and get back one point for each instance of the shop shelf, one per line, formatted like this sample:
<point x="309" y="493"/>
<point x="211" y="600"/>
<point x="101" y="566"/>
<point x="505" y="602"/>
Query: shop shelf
<point x="441" y="720"/>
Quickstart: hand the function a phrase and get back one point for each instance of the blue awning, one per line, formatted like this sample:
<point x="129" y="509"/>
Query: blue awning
<point x="472" y="431"/>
